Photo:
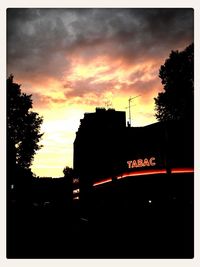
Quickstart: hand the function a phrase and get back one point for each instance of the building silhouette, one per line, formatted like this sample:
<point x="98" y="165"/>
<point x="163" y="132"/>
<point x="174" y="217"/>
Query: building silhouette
<point x="105" y="148"/>
<point x="137" y="182"/>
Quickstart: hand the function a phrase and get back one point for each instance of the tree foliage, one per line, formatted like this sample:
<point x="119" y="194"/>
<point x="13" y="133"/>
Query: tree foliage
<point x="68" y="172"/>
<point x="177" y="76"/>
<point x="23" y="126"/>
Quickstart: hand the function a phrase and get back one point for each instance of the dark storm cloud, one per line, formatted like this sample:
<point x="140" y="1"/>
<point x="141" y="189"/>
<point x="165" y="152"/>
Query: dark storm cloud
<point x="133" y="34"/>
<point x="43" y="41"/>
<point x="34" y="42"/>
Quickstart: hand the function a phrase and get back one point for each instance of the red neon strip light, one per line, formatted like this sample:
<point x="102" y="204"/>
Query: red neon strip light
<point x="103" y="182"/>
<point x="140" y="173"/>
<point x="147" y="172"/>
<point x="182" y="170"/>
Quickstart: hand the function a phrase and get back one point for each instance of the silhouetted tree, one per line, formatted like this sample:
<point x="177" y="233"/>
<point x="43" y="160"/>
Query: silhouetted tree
<point x="68" y="172"/>
<point x="68" y="176"/>
<point x="177" y="75"/>
<point x="23" y="128"/>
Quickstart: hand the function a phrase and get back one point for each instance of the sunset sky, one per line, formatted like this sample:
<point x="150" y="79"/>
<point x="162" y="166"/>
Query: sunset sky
<point x="74" y="60"/>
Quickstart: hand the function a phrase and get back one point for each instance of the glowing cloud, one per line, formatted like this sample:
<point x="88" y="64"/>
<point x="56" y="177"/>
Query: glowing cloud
<point x="72" y="60"/>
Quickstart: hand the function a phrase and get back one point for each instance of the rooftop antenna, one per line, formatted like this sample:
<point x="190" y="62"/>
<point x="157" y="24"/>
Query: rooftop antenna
<point x="129" y="107"/>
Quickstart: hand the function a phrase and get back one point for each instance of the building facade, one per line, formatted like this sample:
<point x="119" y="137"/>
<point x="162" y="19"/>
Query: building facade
<point x="136" y="185"/>
<point x="107" y="153"/>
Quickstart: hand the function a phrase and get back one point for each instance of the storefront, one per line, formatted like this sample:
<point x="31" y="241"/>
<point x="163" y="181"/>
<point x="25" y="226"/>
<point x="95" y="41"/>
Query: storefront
<point x="115" y="162"/>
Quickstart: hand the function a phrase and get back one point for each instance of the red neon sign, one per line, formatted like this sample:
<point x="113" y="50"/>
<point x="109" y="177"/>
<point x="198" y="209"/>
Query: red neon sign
<point x="146" y="172"/>
<point x="141" y="163"/>
<point x="103" y="182"/>
<point x="141" y="173"/>
<point x="182" y="170"/>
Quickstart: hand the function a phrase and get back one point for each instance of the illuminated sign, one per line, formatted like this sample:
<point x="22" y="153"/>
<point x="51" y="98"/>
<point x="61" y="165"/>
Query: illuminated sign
<point x="141" y="163"/>
<point x="146" y="172"/>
